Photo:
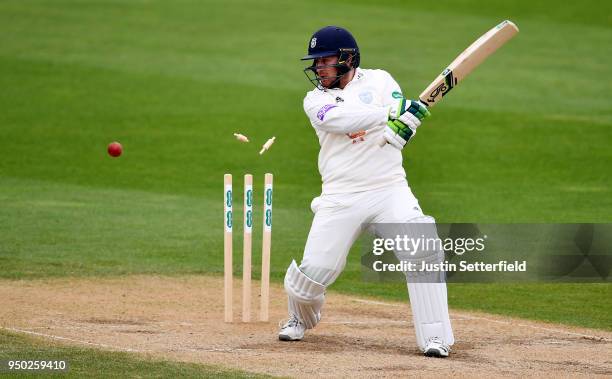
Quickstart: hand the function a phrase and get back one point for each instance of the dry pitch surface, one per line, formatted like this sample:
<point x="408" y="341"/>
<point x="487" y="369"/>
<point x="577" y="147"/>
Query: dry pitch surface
<point x="180" y="318"/>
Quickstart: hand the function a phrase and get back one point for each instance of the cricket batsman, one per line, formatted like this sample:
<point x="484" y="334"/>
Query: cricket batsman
<point x="351" y="110"/>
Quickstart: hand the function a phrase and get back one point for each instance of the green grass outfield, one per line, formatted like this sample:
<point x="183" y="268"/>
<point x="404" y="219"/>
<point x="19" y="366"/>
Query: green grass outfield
<point x="526" y="138"/>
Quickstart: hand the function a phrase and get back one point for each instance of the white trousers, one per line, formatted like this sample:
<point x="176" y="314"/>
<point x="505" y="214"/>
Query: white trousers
<point x="338" y="222"/>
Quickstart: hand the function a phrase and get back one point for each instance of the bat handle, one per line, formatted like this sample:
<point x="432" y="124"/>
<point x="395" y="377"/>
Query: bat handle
<point x="423" y="102"/>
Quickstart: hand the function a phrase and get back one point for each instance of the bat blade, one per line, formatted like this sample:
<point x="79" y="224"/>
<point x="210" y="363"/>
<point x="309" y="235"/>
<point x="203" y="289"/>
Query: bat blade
<point x="467" y="61"/>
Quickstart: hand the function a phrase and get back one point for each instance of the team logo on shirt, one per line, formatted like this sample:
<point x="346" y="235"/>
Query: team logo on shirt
<point x="366" y="97"/>
<point x="313" y="43"/>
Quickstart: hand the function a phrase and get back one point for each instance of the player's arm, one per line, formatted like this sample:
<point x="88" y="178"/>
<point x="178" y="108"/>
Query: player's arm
<point x="326" y="115"/>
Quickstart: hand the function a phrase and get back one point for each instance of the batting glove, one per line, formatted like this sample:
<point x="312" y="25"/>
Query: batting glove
<point x="404" y="121"/>
<point x="415" y="108"/>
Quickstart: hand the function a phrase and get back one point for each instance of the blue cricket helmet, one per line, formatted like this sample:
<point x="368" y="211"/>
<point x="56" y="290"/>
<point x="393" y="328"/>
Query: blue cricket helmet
<point x="333" y="40"/>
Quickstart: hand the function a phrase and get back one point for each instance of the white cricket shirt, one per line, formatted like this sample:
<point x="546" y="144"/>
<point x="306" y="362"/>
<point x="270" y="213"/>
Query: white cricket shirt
<point x="350" y="123"/>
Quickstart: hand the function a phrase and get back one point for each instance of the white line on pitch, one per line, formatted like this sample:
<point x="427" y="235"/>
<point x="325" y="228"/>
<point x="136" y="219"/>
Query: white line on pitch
<point x="537" y="327"/>
<point x="216" y="350"/>
<point x="71" y="340"/>
<point x="376" y="322"/>
<point x="466" y="316"/>
<point x="375" y="302"/>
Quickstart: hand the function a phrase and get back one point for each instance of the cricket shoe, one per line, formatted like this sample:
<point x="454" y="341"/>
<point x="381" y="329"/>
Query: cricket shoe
<point x="436" y="348"/>
<point x="292" y="330"/>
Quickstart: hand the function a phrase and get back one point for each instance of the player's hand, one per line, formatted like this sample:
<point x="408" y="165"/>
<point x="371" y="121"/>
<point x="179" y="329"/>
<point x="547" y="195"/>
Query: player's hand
<point x="396" y="134"/>
<point x="407" y="108"/>
<point x="404" y="121"/>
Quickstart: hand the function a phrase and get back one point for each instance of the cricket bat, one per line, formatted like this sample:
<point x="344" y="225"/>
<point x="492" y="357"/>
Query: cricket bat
<point x="467" y="61"/>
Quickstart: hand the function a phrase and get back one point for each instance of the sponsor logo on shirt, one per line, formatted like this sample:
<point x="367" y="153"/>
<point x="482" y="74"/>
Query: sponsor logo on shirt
<point x="339" y="99"/>
<point x="324" y="109"/>
<point x="357" y="136"/>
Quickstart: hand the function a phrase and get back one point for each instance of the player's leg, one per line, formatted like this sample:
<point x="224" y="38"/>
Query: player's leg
<point x="427" y="291"/>
<point x="335" y="227"/>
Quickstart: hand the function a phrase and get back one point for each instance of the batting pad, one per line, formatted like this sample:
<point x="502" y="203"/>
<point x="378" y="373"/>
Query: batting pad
<point x="305" y="296"/>
<point x="430" y="312"/>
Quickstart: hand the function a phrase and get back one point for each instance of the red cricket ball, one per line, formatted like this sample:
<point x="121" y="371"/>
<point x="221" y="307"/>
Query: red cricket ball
<point x="114" y="149"/>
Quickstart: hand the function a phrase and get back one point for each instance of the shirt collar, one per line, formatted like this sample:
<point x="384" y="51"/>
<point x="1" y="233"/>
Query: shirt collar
<point x="359" y="74"/>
